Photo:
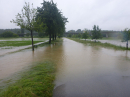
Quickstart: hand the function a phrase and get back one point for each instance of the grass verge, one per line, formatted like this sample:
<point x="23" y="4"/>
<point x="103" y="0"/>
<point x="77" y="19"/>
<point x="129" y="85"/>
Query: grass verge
<point x="36" y="82"/>
<point x="92" y="43"/>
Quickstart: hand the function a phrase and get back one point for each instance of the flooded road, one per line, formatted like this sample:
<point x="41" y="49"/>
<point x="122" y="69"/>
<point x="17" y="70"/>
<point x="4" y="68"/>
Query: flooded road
<point x="82" y="70"/>
<point x="87" y="71"/>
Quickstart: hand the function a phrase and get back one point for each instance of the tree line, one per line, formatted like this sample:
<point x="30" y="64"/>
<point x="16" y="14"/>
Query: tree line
<point x="96" y="34"/>
<point x="47" y="20"/>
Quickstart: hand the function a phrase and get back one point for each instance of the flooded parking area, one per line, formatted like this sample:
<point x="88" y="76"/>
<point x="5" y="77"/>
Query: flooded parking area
<point x="82" y="70"/>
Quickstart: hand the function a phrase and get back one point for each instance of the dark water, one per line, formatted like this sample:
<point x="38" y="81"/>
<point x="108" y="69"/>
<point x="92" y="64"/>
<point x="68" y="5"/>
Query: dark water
<point x="82" y="70"/>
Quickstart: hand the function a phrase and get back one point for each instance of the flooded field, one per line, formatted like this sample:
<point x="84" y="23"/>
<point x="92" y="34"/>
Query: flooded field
<point x="9" y="49"/>
<point x="114" y="42"/>
<point x="82" y="70"/>
<point x="22" y="39"/>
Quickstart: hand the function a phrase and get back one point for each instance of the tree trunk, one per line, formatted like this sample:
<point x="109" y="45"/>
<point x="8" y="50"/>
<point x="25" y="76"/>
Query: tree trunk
<point x="127" y="45"/>
<point x="32" y="40"/>
<point x="55" y="36"/>
<point x="50" y="38"/>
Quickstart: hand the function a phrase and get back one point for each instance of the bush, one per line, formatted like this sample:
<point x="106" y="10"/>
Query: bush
<point x="8" y="34"/>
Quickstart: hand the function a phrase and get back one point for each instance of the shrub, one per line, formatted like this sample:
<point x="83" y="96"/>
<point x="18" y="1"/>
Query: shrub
<point x="8" y="34"/>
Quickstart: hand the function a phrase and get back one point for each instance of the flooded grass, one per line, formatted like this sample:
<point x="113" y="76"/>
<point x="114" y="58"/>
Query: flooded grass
<point x="23" y="39"/>
<point x="92" y="43"/>
<point x="16" y="43"/>
<point x="36" y="82"/>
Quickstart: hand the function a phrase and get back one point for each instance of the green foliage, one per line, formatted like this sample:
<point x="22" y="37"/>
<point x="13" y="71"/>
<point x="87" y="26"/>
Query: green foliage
<point x="69" y="35"/>
<point x="53" y="18"/>
<point x="27" y="34"/>
<point x="126" y="34"/>
<point x="8" y="34"/>
<point x="42" y="34"/>
<point x="85" y="35"/>
<point x="28" y="20"/>
<point x="37" y="82"/>
<point x="79" y="35"/>
<point x="96" y="32"/>
<point x="74" y="36"/>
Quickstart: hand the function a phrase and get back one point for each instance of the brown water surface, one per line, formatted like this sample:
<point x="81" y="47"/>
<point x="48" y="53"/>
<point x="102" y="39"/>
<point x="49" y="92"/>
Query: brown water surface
<point x="87" y="71"/>
<point x="82" y="70"/>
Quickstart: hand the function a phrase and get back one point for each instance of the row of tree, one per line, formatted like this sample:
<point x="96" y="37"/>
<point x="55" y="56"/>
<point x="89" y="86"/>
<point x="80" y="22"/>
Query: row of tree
<point x="95" y="33"/>
<point x="47" y="19"/>
<point x="8" y="34"/>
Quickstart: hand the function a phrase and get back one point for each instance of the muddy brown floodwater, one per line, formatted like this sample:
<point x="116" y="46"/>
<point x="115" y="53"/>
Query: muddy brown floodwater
<point x="82" y="70"/>
<point x="87" y="71"/>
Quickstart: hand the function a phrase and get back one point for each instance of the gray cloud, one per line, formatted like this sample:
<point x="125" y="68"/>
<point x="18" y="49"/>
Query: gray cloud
<point x="108" y="14"/>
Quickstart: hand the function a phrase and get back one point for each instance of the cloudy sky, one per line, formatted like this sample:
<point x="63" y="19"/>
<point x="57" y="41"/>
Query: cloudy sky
<point x="81" y="14"/>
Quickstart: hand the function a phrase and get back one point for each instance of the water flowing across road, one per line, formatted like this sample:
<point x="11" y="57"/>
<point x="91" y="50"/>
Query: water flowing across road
<point x="82" y="70"/>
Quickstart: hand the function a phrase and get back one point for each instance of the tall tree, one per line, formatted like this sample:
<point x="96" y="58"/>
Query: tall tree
<point x="126" y="36"/>
<point x="27" y="20"/>
<point x="53" y="18"/>
<point x="96" y="33"/>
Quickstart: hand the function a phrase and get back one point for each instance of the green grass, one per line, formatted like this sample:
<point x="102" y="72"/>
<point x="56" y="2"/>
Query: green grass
<point x="36" y="82"/>
<point x="105" y="45"/>
<point x="16" y="43"/>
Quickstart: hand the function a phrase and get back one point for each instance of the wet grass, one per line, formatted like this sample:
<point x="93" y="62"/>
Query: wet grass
<point x="105" y="45"/>
<point x="16" y="43"/>
<point x="35" y="82"/>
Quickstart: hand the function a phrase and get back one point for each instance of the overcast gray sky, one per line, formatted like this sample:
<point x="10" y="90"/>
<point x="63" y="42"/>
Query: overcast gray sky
<point x="81" y="14"/>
